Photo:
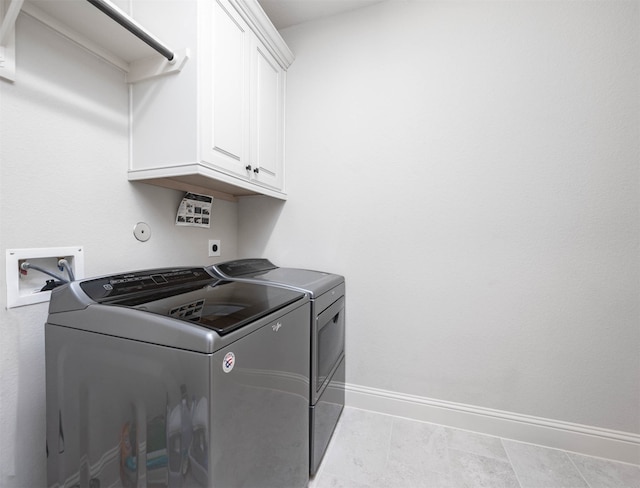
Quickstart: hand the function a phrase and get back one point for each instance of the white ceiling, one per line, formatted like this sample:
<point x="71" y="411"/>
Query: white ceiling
<point x="284" y="13"/>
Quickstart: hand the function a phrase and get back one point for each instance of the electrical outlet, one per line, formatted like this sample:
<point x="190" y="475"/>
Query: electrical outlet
<point x="214" y="247"/>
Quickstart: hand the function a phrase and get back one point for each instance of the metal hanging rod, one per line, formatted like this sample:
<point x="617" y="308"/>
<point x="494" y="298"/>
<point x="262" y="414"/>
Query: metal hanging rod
<point x="132" y="26"/>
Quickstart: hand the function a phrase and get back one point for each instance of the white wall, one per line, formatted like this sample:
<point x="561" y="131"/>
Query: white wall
<point x="64" y="157"/>
<point x="472" y="169"/>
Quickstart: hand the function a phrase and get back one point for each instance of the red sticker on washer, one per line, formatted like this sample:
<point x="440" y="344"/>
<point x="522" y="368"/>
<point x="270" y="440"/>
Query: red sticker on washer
<point x="228" y="362"/>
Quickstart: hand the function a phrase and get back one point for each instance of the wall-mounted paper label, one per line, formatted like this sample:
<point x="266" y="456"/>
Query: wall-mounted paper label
<point x="195" y="210"/>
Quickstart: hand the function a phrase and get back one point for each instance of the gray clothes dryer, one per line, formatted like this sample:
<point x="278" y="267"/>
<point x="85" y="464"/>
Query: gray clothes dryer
<point x="327" y="327"/>
<point x="173" y="378"/>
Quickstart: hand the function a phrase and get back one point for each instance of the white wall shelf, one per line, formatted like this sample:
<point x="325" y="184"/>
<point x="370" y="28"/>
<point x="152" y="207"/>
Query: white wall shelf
<point x="84" y="24"/>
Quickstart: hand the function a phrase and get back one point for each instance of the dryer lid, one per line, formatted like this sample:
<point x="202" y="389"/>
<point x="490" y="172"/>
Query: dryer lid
<point x="263" y="271"/>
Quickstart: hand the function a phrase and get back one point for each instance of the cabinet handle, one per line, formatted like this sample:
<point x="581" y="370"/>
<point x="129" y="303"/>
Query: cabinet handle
<point x="248" y="167"/>
<point x="256" y="170"/>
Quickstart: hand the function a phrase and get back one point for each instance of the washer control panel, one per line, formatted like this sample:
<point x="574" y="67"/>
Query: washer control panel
<point x="120" y="286"/>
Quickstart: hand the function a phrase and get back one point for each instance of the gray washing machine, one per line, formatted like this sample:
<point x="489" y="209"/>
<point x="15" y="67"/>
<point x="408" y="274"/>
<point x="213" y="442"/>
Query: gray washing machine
<point x="327" y="327"/>
<point x="174" y="378"/>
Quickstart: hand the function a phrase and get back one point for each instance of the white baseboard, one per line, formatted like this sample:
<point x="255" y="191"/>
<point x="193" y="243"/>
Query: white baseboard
<point x="583" y="439"/>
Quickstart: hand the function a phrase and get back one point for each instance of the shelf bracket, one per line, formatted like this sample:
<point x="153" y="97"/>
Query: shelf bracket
<point x="156" y="66"/>
<point x="9" y="10"/>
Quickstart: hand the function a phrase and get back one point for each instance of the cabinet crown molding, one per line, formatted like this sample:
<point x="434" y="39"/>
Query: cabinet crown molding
<point x="254" y="15"/>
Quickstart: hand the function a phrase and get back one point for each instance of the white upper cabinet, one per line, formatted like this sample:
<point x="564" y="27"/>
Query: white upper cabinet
<point x="247" y="88"/>
<point x="219" y="124"/>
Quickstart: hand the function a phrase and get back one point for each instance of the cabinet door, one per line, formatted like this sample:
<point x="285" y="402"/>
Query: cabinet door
<point x="267" y="118"/>
<point x="228" y="147"/>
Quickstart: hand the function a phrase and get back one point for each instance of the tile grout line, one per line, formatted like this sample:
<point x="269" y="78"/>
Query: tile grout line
<point x="386" y="459"/>
<point x="506" y="452"/>
<point x="448" y="446"/>
<point x="577" y="469"/>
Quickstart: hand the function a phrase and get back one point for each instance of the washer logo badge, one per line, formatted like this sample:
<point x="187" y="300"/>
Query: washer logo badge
<point x="276" y="327"/>
<point x="228" y="362"/>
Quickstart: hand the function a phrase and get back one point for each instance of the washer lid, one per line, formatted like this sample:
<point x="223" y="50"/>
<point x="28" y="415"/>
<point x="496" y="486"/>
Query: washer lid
<point x="191" y="295"/>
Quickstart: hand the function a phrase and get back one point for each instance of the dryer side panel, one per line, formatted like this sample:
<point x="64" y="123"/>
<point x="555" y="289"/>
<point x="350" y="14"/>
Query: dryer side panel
<point x="124" y="413"/>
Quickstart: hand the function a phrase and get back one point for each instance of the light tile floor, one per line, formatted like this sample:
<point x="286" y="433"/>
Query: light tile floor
<point x="380" y="451"/>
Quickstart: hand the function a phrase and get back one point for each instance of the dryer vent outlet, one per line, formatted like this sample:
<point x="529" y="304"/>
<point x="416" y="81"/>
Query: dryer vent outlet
<point x="214" y="247"/>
